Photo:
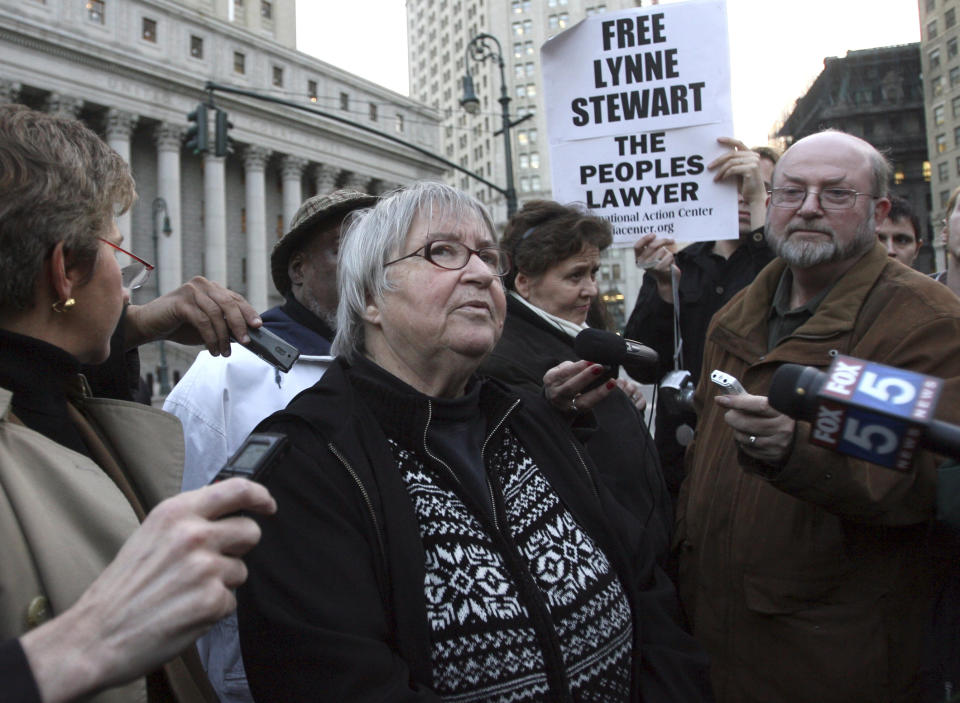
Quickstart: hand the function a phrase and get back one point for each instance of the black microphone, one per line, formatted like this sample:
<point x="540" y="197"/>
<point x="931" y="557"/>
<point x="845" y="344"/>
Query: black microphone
<point x="874" y="412"/>
<point x="610" y="349"/>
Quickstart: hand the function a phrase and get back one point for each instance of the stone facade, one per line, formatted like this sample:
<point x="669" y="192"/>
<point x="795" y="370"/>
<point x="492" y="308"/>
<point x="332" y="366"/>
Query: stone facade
<point x="133" y="69"/>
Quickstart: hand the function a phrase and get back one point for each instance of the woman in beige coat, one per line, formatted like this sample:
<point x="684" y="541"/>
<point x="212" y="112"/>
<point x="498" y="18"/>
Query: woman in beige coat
<point x="89" y="598"/>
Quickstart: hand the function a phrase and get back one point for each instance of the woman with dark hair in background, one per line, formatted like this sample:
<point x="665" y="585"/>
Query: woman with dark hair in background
<point x="555" y="251"/>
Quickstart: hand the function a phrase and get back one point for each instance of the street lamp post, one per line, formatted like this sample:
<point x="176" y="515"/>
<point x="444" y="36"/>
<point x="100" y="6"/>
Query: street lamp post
<point x="160" y="206"/>
<point x="481" y="48"/>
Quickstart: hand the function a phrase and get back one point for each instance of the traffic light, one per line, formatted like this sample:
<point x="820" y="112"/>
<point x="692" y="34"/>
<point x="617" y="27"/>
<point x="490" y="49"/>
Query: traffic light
<point x="198" y="137"/>
<point x="223" y="144"/>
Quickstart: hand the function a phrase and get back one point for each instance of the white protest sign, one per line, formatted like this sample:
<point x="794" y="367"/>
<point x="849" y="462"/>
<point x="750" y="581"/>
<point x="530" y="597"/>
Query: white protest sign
<point x="635" y="101"/>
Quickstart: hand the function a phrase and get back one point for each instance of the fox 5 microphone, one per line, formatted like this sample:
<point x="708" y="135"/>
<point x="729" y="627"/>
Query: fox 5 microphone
<point x="877" y="413"/>
<point x="610" y="349"/>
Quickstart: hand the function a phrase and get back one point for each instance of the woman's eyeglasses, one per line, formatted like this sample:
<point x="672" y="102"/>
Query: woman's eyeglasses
<point x="453" y="255"/>
<point x="134" y="271"/>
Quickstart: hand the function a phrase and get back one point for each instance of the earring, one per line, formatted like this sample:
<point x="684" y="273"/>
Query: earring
<point x="63" y="305"/>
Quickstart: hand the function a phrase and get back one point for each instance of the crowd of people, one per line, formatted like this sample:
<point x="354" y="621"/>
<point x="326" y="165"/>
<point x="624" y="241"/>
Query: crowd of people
<point x="466" y="509"/>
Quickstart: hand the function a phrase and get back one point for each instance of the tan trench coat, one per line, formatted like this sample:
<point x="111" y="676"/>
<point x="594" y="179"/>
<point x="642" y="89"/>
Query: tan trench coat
<point x="62" y="519"/>
<point x="815" y="585"/>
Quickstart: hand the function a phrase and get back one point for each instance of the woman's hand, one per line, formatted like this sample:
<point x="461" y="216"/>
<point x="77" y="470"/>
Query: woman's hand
<point x="172" y="579"/>
<point x="634" y="393"/>
<point x="564" y="386"/>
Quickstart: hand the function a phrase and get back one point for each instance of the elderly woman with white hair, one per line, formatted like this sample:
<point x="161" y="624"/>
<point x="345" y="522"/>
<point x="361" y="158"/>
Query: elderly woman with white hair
<point x="440" y="536"/>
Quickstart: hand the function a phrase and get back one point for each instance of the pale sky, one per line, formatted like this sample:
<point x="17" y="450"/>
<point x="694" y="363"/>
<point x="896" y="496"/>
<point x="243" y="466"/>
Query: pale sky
<point x="777" y="47"/>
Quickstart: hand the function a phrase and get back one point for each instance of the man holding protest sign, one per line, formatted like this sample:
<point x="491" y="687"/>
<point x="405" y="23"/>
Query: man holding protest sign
<point x="712" y="272"/>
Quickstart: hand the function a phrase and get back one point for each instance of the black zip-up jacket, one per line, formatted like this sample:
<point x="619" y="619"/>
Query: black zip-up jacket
<point x="620" y="445"/>
<point x="334" y="606"/>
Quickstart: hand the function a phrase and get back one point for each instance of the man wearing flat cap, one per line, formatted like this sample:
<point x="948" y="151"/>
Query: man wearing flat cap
<point x="220" y="400"/>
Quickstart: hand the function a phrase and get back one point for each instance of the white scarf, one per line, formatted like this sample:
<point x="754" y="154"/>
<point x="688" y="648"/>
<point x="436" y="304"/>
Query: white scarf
<point x="569" y="328"/>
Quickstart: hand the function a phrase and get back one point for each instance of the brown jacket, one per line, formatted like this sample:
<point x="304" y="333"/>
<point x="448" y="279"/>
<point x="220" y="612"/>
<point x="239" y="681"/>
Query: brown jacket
<point x="63" y="519"/>
<point x="815" y="585"/>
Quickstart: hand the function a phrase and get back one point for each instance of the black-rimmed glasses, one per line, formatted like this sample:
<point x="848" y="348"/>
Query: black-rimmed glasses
<point x="829" y="198"/>
<point x="453" y="255"/>
<point x="134" y="271"/>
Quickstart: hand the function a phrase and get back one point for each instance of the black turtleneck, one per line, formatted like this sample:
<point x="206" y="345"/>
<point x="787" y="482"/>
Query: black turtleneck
<point x="40" y="374"/>
<point x="457" y="427"/>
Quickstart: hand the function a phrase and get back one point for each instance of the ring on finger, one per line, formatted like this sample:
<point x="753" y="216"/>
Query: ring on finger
<point x="573" y="404"/>
<point x="752" y="440"/>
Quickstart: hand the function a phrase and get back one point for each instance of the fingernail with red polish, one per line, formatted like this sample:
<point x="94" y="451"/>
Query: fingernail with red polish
<point x="611" y="385"/>
<point x="597" y="370"/>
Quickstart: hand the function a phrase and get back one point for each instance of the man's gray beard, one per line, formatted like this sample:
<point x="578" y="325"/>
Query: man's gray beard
<point x="806" y="254"/>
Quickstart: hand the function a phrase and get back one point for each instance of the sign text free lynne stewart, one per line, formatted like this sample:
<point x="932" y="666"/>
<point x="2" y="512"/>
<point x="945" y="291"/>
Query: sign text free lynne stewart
<point x="640" y="67"/>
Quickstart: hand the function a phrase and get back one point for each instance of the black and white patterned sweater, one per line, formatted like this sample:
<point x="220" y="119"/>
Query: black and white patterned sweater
<point x="379" y="579"/>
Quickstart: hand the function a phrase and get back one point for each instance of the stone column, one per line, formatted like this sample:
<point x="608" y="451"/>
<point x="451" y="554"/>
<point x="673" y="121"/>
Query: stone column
<point x="356" y="181"/>
<point x="215" y="218"/>
<point x="64" y="105"/>
<point x="9" y="91"/>
<point x="254" y="162"/>
<point x="291" y="177"/>
<point x="120" y="126"/>
<point x="325" y="177"/>
<point x="169" y="269"/>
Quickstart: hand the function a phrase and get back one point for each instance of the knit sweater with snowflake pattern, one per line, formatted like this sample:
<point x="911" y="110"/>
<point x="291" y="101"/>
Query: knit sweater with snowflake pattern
<point x="382" y="577"/>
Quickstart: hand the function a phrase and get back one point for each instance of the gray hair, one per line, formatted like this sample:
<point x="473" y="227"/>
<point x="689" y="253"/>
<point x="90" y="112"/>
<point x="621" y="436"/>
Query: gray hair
<point x="373" y="236"/>
<point x="58" y="182"/>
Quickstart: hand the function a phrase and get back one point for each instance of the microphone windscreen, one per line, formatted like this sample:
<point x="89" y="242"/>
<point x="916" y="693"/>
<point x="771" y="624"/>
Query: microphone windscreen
<point x="794" y="389"/>
<point x="600" y="347"/>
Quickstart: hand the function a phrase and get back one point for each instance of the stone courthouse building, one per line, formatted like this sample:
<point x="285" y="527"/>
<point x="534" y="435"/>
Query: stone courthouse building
<point x="132" y="70"/>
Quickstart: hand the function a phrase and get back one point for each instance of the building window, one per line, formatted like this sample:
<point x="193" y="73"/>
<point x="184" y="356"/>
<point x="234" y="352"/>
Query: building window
<point x="524" y="184"/>
<point x="266" y="9"/>
<point x="344" y="101"/>
<point x="400" y="123"/>
<point x="941" y="143"/>
<point x="943" y="171"/>
<point x="518" y="50"/>
<point x="196" y="46"/>
<point x="534" y="160"/>
<point x="552" y="22"/>
<point x="958" y="165"/>
<point x="518" y="29"/>
<point x="944" y="197"/>
<point x="937" y="85"/>
<point x="956" y="136"/>
<point x="96" y="11"/>
<point x="954" y="76"/>
<point x="373" y="112"/>
<point x="932" y="29"/>
<point x="952" y="48"/>
<point x="535" y="180"/>
<point x="239" y="62"/>
<point x="528" y="47"/>
<point x="148" y="30"/>
<point x="950" y="17"/>
<point x="529" y="69"/>
<point x="564" y="19"/>
<point x="524" y="161"/>
<point x="938" y="115"/>
<point x="935" y="59"/>
<point x="926" y="172"/>
<point x="518" y="71"/>
<point x="312" y="91"/>
<point x="931" y="4"/>
<point x="278" y="76"/>
<point x="532" y="134"/>
<point x="522" y="137"/>
<point x="955" y="106"/>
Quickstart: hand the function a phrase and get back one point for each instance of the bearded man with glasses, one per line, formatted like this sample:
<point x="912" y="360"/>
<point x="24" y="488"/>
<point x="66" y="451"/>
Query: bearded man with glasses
<point x="808" y="575"/>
